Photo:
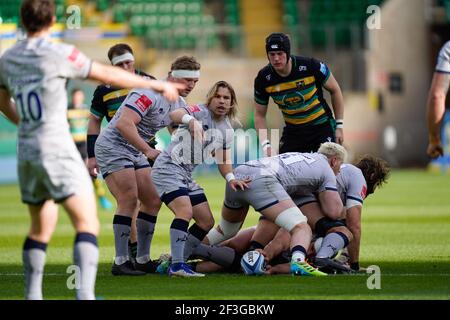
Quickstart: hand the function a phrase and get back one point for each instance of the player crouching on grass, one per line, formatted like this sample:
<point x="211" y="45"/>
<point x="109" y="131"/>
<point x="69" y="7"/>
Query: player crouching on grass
<point x="273" y="181"/>
<point x="355" y="183"/>
<point x="172" y="172"/>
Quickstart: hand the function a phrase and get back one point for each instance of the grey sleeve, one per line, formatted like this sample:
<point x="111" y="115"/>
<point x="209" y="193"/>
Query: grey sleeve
<point x="72" y="63"/>
<point x="197" y="111"/>
<point x="357" y="189"/>
<point x="140" y="102"/>
<point x="443" y="61"/>
<point x="329" y="180"/>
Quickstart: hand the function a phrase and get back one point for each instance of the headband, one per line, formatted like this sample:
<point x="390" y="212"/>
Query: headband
<point x="124" y="57"/>
<point x="185" y="73"/>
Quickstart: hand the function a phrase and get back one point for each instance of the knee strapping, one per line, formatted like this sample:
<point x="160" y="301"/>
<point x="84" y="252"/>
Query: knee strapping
<point x="290" y="218"/>
<point x="229" y="230"/>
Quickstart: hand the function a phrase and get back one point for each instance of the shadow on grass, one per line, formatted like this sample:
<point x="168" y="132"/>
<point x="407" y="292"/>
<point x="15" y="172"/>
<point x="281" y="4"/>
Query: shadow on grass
<point x="399" y="280"/>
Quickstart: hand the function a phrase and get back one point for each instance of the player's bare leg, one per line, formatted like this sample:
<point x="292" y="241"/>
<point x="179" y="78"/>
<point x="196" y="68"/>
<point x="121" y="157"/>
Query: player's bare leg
<point x="286" y="215"/>
<point x="204" y="221"/>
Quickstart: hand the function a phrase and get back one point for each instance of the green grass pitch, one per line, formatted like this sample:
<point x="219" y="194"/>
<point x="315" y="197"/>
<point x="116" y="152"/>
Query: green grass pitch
<point x="406" y="232"/>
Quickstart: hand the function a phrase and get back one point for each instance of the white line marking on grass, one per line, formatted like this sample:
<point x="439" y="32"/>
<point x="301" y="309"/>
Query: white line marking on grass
<point x="338" y="275"/>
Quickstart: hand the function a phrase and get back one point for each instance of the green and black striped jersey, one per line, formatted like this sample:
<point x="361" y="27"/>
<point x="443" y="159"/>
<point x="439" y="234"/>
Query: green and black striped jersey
<point x="108" y="99"/>
<point x="299" y="95"/>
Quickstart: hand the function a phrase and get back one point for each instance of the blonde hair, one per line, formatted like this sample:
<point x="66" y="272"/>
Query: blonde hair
<point x="332" y="149"/>
<point x="232" y="113"/>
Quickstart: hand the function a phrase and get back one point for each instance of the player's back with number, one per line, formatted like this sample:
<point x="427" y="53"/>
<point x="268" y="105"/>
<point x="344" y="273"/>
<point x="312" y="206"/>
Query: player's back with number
<point x="37" y="72"/>
<point x="299" y="173"/>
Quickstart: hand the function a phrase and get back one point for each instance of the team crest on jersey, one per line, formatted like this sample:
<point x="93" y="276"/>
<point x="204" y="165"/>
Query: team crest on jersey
<point x="302" y="68"/>
<point x="300" y="83"/>
<point x="194" y="108"/>
<point x="268" y="77"/>
<point x="143" y="103"/>
<point x="363" y="192"/>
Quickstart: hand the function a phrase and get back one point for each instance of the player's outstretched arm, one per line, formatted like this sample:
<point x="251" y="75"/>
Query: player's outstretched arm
<point x="118" y="77"/>
<point x="337" y="102"/>
<point x="435" y="112"/>
<point x="8" y="107"/>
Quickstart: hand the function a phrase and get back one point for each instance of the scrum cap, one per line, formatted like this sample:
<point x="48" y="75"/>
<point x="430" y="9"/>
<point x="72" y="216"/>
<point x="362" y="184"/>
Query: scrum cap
<point x="278" y="42"/>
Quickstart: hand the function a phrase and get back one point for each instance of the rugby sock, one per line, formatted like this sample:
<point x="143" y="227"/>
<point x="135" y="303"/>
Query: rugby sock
<point x="331" y="244"/>
<point x="85" y="255"/>
<point x="132" y="248"/>
<point x="178" y="237"/>
<point x="223" y="256"/>
<point x="122" y="230"/>
<point x="33" y="261"/>
<point x="195" y="237"/>
<point x="298" y="254"/>
<point x="145" y="224"/>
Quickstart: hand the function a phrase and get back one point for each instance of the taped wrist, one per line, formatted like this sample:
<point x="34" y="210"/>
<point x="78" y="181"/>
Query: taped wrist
<point x="91" y="138"/>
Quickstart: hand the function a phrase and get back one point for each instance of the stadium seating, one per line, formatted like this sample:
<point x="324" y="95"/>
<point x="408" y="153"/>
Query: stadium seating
<point x="232" y="18"/>
<point x="164" y="24"/>
<point x="338" y="20"/>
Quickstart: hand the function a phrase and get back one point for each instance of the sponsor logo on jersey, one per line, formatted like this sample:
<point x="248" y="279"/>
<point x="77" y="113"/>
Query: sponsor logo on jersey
<point x="77" y="58"/>
<point x="363" y="192"/>
<point x="194" y="108"/>
<point x="323" y="68"/>
<point x="143" y="103"/>
<point x="302" y="68"/>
